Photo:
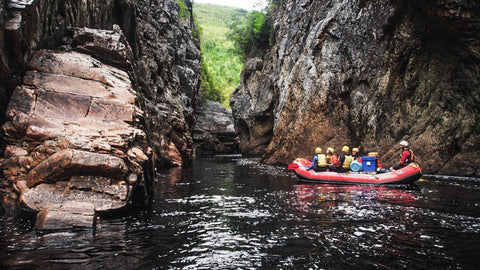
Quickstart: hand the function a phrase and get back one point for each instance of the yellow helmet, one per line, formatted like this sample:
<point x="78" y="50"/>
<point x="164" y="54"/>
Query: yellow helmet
<point x="355" y="150"/>
<point x="318" y="150"/>
<point x="330" y="149"/>
<point x="345" y="149"/>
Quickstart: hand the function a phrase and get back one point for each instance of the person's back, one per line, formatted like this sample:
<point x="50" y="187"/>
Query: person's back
<point x="342" y="164"/>
<point x="345" y="160"/>
<point x="406" y="157"/>
<point x="409" y="157"/>
<point x="319" y="161"/>
<point x="331" y="157"/>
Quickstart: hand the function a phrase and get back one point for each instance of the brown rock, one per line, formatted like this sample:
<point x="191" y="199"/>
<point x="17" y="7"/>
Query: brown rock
<point x="69" y="162"/>
<point x="106" y="45"/>
<point x="69" y="215"/>
<point x="45" y="195"/>
<point x="137" y="153"/>
<point x="74" y="115"/>
<point x="11" y="150"/>
<point x="72" y="96"/>
<point x="21" y="186"/>
<point x="52" y="166"/>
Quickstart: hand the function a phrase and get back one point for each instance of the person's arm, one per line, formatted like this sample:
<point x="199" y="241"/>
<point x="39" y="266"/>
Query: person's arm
<point x="314" y="161"/>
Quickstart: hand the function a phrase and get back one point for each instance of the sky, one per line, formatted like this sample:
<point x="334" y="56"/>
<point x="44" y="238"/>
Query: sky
<point x="245" y="4"/>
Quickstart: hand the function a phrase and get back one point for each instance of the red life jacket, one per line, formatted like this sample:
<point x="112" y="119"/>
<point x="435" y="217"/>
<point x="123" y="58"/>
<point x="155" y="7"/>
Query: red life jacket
<point x="410" y="158"/>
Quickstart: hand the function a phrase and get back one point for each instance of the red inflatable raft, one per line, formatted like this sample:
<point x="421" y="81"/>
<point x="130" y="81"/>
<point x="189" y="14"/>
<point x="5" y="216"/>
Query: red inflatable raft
<point x="408" y="174"/>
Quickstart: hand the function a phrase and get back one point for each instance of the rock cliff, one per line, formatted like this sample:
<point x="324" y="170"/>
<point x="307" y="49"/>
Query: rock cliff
<point x="92" y="111"/>
<point x="367" y="74"/>
<point x="167" y="66"/>
<point x="214" y="130"/>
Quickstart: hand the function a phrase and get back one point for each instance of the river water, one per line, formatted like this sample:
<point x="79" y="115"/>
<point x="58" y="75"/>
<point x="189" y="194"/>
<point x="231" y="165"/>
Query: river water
<point x="235" y="213"/>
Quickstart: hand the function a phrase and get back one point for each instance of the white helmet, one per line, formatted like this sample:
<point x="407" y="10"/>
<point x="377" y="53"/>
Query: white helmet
<point x="404" y="143"/>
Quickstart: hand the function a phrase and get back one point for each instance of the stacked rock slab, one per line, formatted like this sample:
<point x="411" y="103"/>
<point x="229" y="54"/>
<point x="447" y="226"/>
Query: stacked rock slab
<point x="72" y="144"/>
<point x="214" y="130"/>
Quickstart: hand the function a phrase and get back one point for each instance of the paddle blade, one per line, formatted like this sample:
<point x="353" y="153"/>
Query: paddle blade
<point x="293" y="166"/>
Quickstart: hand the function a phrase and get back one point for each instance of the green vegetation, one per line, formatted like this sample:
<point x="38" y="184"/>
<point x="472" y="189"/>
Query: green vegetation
<point x="228" y="37"/>
<point x="183" y="13"/>
<point x="221" y="64"/>
<point x="253" y="36"/>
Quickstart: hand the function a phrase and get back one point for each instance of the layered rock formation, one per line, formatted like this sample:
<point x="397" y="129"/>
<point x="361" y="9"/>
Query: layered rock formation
<point x="367" y="74"/>
<point x="70" y="133"/>
<point x="214" y="130"/>
<point x="166" y="57"/>
<point x="97" y="110"/>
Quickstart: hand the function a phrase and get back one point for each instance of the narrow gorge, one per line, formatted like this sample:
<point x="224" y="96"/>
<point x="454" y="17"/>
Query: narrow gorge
<point x="97" y="96"/>
<point x="113" y="154"/>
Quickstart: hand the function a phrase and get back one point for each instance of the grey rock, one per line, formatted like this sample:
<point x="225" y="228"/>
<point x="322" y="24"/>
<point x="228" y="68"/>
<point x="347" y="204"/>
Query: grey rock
<point x="214" y="130"/>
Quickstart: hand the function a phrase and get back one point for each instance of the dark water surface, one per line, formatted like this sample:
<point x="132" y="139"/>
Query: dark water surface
<point x="235" y="213"/>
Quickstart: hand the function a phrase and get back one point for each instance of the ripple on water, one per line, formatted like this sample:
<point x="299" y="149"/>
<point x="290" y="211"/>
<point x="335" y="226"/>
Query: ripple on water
<point x="235" y="213"/>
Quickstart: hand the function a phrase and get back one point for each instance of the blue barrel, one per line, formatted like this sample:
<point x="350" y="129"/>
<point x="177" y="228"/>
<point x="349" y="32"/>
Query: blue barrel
<point x="356" y="166"/>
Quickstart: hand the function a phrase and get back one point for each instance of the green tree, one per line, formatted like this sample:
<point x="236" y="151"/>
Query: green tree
<point x="252" y="37"/>
<point x="221" y="63"/>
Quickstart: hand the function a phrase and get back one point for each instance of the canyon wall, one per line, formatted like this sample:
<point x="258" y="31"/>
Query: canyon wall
<point x="165" y="65"/>
<point x="366" y="74"/>
<point x="99" y="94"/>
<point x="214" y="130"/>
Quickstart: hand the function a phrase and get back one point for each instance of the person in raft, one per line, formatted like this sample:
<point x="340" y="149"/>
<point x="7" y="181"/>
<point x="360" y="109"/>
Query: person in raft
<point x="331" y="157"/>
<point x="343" y="164"/>
<point x="407" y="157"/>
<point x="356" y="156"/>
<point x="319" y="161"/>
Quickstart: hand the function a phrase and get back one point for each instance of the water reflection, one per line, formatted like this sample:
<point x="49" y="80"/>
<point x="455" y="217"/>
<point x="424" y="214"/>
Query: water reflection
<point x="321" y="197"/>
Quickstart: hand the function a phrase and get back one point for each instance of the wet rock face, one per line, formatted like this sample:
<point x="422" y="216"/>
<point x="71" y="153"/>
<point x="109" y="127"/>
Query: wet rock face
<point x="168" y="68"/>
<point x="367" y="74"/>
<point x="166" y="59"/>
<point x="29" y="25"/>
<point x="90" y="102"/>
<point x="70" y="129"/>
<point x="252" y="104"/>
<point x="214" y="130"/>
